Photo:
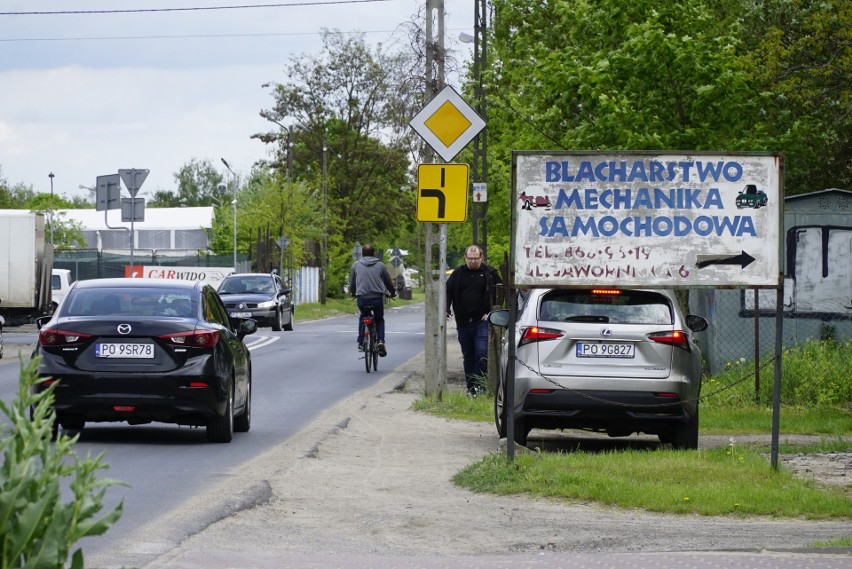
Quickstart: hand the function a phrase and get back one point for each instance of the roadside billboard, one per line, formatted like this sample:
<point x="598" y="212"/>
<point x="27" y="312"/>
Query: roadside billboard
<point x="646" y="219"/>
<point x="210" y="275"/>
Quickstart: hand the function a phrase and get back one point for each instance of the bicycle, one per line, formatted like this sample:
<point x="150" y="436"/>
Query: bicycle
<point x="369" y="339"/>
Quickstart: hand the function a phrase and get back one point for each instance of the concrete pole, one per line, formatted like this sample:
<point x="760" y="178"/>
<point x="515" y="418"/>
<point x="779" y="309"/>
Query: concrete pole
<point x="435" y="348"/>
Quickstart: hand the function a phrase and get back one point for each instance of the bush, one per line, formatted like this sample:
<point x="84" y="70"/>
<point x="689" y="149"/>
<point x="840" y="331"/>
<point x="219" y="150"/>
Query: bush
<point x="38" y="530"/>
<point x="814" y="373"/>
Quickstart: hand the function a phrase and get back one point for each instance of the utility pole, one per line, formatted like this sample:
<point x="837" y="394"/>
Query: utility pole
<point x="51" y="207"/>
<point x="435" y="348"/>
<point x="480" y="143"/>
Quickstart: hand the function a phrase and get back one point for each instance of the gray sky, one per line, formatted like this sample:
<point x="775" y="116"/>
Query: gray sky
<point x="85" y="94"/>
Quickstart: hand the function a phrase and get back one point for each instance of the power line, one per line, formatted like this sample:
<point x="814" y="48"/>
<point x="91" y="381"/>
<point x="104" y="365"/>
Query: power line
<point x="180" y="36"/>
<point x="190" y="9"/>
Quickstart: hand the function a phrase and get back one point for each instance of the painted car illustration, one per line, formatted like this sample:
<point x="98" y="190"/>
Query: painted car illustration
<point x="751" y="197"/>
<point x="533" y="201"/>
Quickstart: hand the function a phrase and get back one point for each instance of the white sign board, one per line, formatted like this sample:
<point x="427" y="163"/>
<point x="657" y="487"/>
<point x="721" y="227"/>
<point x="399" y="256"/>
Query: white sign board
<point x="646" y="219"/>
<point x="210" y="275"/>
<point x="447" y="123"/>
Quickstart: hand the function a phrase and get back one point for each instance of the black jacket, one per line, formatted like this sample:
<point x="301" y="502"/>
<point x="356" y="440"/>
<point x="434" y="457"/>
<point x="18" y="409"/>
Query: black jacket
<point x="472" y="293"/>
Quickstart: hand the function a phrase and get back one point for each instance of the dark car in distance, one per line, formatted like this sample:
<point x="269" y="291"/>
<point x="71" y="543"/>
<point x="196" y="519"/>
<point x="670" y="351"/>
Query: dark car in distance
<point x="147" y="350"/>
<point x="260" y="296"/>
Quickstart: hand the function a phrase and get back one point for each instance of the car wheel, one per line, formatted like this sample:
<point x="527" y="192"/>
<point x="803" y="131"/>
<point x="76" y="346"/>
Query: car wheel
<point x="242" y="422"/>
<point x="500" y="411"/>
<point x="221" y="429"/>
<point x="289" y="325"/>
<point x="276" y="322"/>
<point x="685" y="435"/>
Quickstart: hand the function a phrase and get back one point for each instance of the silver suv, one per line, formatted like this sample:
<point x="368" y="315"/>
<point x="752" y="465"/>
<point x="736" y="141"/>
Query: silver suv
<point x="618" y="361"/>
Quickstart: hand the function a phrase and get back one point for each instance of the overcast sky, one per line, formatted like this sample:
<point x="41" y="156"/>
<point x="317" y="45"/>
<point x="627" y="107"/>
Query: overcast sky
<point x="85" y="94"/>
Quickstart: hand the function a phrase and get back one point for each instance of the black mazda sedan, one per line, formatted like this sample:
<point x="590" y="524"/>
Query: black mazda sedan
<point x="145" y="350"/>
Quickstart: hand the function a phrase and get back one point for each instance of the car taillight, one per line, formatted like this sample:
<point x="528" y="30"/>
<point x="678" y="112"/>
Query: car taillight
<point x="606" y="291"/>
<point x="195" y="339"/>
<point x="56" y="337"/>
<point x="676" y="338"/>
<point x="537" y="334"/>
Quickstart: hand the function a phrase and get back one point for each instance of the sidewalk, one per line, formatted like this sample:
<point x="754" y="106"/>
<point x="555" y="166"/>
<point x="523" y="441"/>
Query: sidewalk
<point x="368" y="484"/>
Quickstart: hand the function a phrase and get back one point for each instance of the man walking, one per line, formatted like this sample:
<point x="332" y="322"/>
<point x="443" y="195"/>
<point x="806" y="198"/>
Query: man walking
<point x="471" y="292"/>
<point x="370" y="282"/>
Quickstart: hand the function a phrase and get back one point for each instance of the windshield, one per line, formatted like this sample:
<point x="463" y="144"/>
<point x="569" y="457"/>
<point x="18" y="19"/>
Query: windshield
<point x="129" y="302"/>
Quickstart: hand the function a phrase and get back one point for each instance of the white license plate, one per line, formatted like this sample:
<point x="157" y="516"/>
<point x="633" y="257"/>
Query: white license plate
<point x="129" y="351"/>
<point x="605" y="350"/>
<point x="240" y="314"/>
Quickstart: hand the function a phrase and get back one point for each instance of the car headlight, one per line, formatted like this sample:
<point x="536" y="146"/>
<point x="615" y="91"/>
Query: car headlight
<point x="267" y="304"/>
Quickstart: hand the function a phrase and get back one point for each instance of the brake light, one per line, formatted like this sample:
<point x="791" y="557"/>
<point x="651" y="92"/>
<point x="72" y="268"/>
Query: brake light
<point x="606" y="291"/>
<point x="55" y="337"/>
<point x="677" y="338"/>
<point x="537" y="334"/>
<point x="194" y="339"/>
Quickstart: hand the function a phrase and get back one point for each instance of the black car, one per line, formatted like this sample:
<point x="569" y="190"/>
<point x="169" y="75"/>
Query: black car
<point x="260" y="296"/>
<point x="144" y="350"/>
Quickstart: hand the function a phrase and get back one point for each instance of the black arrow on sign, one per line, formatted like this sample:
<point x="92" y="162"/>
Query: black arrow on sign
<point x="442" y="199"/>
<point x="743" y="259"/>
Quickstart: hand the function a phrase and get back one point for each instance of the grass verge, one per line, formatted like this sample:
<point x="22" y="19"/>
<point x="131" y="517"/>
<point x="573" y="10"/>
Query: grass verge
<point x="711" y="483"/>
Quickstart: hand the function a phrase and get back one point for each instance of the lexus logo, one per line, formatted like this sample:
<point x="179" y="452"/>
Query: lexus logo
<point x="124" y="328"/>
<point x="606" y="332"/>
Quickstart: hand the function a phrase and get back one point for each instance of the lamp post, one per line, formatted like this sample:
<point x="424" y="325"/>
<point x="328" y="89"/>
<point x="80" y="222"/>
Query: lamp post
<point x="51" y="207"/>
<point x="234" y="202"/>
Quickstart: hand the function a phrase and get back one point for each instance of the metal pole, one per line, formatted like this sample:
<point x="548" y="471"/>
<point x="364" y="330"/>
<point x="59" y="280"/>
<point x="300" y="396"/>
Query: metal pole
<point x="324" y="243"/>
<point x="234" y="202"/>
<point x="51" y="207"/>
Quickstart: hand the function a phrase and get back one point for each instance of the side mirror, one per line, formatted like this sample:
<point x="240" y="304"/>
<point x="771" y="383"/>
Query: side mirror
<point x="246" y="327"/>
<point x="696" y="323"/>
<point x="499" y="317"/>
<point x="41" y="321"/>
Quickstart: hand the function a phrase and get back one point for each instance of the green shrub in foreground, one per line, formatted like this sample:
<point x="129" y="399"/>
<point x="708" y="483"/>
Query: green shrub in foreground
<point x="38" y="530"/>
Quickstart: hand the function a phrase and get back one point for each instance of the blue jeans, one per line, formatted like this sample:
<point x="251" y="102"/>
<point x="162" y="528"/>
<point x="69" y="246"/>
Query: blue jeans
<point x="473" y="338"/>
<point x="378" y="304"/>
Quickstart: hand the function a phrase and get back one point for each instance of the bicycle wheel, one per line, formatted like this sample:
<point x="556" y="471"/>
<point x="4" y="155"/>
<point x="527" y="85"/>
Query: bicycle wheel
<point x="374" y="353"/>
<point x="366" y="341"/>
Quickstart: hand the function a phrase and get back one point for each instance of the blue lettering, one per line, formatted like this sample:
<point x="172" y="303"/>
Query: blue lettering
<point x="586" y="228"/>
<point x="643" y="199"/>
<point x="551" y="171"/>
<point x="662" y="226"/>
<point x="573" y="200"/>
<point x="703" y="225"/>
<point x="657" y="171"/>
<point x="714" y="199"/>
<point x="682" y="226"/>
<point x="617" y="171"/>
<point x="637" y="172"/>
<point x="608" y="226"/>
<point x="586" y="172"/>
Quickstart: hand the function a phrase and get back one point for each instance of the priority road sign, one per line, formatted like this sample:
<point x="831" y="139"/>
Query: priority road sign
<point x="447" y="123"/>
<point x="442" y="193"/>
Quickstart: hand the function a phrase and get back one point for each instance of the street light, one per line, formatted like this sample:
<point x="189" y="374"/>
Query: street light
<point x="234" y="202"/>
<point x="51" y="207"/>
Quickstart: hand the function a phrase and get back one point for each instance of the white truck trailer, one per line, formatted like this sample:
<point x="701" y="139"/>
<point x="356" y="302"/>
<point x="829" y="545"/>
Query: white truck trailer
<point x="26" y="262"/>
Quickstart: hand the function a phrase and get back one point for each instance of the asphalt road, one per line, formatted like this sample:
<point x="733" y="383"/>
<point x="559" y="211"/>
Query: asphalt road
<point x="296" y="376"/>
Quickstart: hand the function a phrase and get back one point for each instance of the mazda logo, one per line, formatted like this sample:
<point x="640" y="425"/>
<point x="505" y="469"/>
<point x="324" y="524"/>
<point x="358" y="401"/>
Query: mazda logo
<point x="606" y="332"/>
<point x="124" y="328"/>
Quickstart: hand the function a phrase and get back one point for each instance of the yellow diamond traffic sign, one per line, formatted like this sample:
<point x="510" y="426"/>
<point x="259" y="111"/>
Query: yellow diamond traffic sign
<point x="447" y="123"/>
<point x="442" y="192"/>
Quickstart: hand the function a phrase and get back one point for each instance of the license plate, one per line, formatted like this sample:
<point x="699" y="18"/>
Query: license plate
<point x="605" y="350"/>
<point x="240" y="314"/>
<point x="129" y="351"/>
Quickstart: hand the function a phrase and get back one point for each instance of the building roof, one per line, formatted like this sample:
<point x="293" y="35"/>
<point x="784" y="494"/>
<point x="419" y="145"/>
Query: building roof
<point x="156" y="218"/>
<point x="817" y="193"/>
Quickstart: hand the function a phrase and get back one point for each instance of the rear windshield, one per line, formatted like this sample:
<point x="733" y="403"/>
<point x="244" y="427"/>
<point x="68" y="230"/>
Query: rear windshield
<point x="623" y="307"/>
<point x="129" y="302"/>
<point x="260" y="284"/>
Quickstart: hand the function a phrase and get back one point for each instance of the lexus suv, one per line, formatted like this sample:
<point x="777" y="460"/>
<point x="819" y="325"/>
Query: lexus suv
<point x="259" y="296"/>
<point x="618" y="361"/>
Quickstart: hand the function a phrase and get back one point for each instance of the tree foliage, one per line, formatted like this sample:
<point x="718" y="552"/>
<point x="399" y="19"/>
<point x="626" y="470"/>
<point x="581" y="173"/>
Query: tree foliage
<point x="197" y="185"/>
<point x="339" y="114"/>
<point x="729" y="75"/>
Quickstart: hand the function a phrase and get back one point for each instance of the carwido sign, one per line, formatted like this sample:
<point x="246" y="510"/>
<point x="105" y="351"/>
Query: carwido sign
<point x="646" y="219"/>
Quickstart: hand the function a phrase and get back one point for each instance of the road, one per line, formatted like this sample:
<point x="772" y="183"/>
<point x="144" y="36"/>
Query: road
<point x="296" y="376"/>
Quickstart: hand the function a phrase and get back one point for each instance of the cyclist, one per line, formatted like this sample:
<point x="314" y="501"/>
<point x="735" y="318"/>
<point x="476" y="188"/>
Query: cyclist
<point x="369" y="283"/>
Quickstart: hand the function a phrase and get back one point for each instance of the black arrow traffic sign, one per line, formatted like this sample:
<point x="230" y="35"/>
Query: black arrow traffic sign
<point x="743" y="259"/>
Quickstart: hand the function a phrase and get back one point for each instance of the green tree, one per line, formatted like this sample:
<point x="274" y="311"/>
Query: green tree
<point x="800" y="58"/>
<point x="197" y="185"/>
<point x="344" y="108"/>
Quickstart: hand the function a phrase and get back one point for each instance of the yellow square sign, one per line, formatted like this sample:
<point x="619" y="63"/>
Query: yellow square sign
<point x="442" y="193"/>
